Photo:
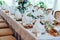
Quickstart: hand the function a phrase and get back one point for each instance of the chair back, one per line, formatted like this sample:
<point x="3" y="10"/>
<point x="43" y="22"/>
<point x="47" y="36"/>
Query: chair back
<point x="49" y="10"/>
<point x="57" y="15"/>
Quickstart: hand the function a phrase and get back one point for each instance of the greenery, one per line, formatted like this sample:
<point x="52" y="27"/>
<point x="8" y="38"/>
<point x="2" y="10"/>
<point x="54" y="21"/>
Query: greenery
<point x="42" y="4"/>
<point x="2" y="2"/>
<point x="27" y="4"/>
<point x="48" y="25"/>
<point x="21" y="6"/>
<point x="30" y="15"/>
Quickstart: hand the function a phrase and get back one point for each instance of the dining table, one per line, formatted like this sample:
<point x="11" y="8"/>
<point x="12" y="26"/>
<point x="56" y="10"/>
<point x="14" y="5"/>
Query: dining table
<point x="26" y="34"/>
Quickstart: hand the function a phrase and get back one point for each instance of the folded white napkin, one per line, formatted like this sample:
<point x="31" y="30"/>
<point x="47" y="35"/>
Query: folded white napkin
<point x="13" y="10"/>
<point x="35" y="14"/>
<point x="30" y="8"/>
<point x="18" y="14"/>
<point x="26" y="19"/>
<point x="50" y="17"/>
<point x="38" y="27"/>
<point x="57" y="28"/>
<point x="40" y="12"/>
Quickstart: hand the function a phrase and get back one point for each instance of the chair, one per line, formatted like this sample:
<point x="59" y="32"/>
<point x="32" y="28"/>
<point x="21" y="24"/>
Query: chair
<point x="49" y="10"/>
<point x="3" y="25"/>
<point x="0" y="17"/>
<point x="57" y="15"/>
<point x="6" y="32"/>
<point x="7" y="38"/>
<point x="1" y="20"/>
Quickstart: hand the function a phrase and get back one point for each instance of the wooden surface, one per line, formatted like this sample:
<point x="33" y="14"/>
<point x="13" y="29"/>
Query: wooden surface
<point x="3" y="25"/>
<point x="5" y="32"/>
<point x="25" y="35"/>
<point x="7" y="38"/>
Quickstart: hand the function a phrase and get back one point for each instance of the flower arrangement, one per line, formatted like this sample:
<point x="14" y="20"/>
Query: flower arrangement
<point x="21" y="5"/>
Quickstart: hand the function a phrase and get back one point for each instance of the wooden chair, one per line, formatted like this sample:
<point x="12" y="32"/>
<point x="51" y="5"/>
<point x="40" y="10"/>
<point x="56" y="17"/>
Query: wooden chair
<point x="1" y="20"/>
<point x="57" y="15"/>
<point x="49" y="10"/>
<point x="0" y="17"/>
<point x="6" y="32"/>
<point x="7" y="38"/>
<point x="3" y="25"/>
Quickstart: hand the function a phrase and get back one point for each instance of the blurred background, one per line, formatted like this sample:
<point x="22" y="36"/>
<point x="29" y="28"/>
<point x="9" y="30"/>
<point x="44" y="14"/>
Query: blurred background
<point x="55" y="4"/>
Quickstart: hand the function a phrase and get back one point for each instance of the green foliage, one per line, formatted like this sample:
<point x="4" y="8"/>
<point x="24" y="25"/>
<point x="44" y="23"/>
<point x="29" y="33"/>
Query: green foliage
<point x="48" y="25"/>
<point x="22" y="6"/>
<point x="42" y="4"/>
<point x="2" y="2"/>
<point x="29" y="14"/>
<point x="27" y="4"/>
